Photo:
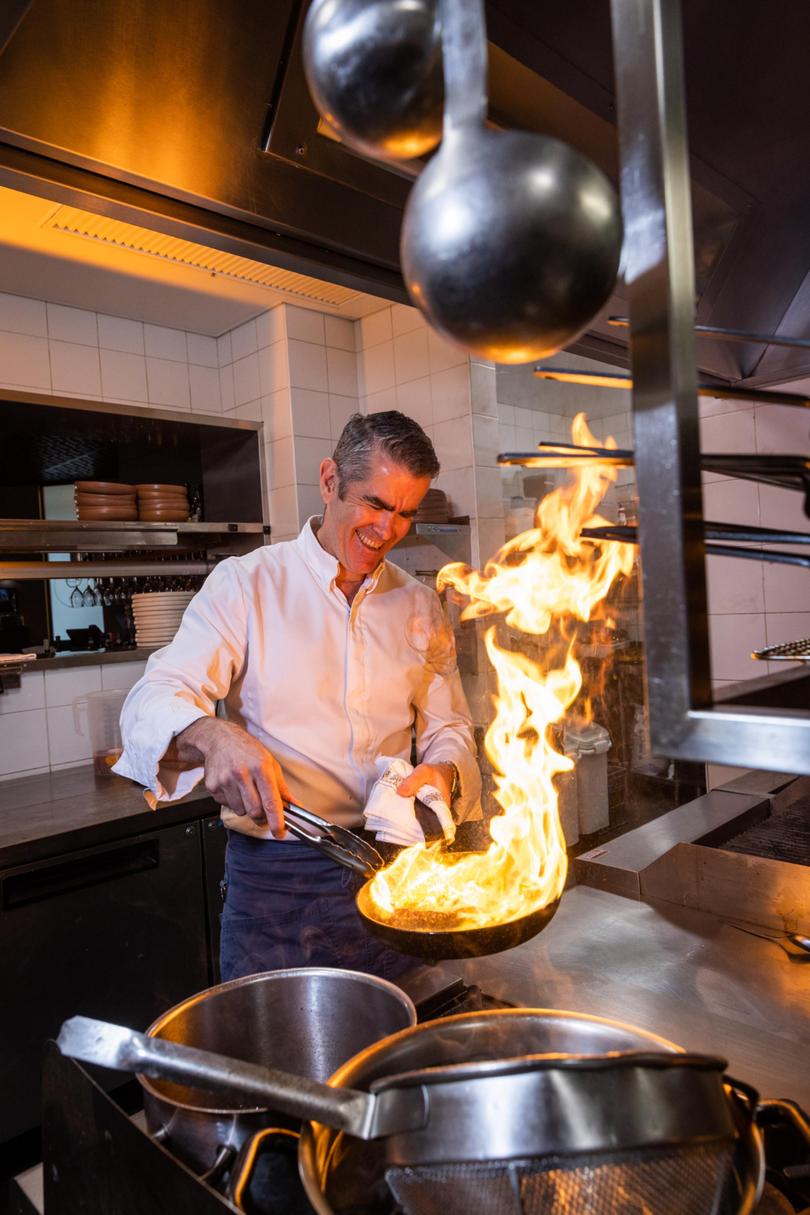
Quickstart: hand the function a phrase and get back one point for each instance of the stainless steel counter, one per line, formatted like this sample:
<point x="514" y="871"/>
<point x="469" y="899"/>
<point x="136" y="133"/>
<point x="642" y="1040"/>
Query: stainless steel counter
<point x="681" y="973"/>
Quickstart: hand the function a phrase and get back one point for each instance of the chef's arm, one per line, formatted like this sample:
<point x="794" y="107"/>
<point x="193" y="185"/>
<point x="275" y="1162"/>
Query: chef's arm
<point x="181" y="685"/>
<point x="239" y="772"/>
<point x="444" y="736"/>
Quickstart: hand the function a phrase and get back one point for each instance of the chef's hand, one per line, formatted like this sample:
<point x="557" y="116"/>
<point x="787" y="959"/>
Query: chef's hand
<point x="239" y="771"/>
<point x="438" y="775"/>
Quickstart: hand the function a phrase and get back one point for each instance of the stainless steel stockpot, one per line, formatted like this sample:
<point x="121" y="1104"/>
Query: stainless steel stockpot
<point x="308" y="1020"/>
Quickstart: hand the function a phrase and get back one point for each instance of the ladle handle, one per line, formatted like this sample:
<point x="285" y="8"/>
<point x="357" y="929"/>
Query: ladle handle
<point x="114" y="1046"/>
<point x="464" y="62"/>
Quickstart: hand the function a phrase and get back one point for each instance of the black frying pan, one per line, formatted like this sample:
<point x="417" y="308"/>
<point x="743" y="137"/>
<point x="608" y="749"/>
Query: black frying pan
<point x="431" y="941"/>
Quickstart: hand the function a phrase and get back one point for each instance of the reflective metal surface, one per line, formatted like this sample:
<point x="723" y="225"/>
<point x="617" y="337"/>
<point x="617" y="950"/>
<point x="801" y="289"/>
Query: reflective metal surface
<point x="375" y="73"/>
<point x="510" y="240"/>
<point x="659" y="274"/>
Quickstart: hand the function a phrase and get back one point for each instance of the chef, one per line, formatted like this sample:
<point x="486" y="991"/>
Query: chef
<point x="298" y="671"/>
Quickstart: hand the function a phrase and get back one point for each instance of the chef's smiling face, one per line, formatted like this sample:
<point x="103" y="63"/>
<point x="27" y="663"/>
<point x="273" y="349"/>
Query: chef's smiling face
<point x="371" y="516"/>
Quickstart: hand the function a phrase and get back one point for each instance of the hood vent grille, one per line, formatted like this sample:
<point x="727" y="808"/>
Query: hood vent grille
<point x="86" y="224"/>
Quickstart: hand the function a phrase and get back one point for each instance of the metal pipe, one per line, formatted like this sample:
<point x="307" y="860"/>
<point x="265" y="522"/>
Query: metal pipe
<point x="723" y="392"/>
<point x="731" y="335"/>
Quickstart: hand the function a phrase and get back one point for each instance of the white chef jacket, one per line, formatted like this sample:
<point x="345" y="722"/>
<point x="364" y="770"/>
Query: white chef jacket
<point x="327" y="688"/>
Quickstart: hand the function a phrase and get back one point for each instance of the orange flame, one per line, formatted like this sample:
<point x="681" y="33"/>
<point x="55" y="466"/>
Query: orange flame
<point x="547" y="575"/>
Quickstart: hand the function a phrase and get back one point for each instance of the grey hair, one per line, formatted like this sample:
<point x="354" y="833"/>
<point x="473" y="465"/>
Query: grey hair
<point x="391" y="432"/>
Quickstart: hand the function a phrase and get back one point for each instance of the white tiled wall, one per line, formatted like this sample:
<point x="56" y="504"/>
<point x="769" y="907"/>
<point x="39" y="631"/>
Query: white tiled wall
<point x="48" y="347"/>
<point x="43" y="728"/>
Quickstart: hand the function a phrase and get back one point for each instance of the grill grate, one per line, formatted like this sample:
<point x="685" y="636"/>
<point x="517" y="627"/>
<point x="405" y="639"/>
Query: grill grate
<point x="784" y="836"/>
<point x="683" y="1180"/>
<point x="787" y="651"/>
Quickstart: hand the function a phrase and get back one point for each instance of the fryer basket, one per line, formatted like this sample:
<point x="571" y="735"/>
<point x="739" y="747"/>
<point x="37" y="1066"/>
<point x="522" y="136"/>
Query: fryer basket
<point x="681" y="1180"/>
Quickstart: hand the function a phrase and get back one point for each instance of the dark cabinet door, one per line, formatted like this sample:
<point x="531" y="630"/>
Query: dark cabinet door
<point x="214" y="841"/>
<point x="116" y="932"/>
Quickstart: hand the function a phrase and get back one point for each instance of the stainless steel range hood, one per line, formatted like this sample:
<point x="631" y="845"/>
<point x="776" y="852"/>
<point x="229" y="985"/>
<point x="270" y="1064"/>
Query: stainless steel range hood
<point x="194" y="118"/>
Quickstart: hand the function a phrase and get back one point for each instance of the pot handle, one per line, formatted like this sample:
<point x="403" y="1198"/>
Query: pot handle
<point x="223" y="1160"/>
<point x="271" y="1138"/>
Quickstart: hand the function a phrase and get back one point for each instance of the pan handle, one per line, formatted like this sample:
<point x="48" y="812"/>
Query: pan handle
<point x="361" y="1114"/>
<point x="338" y="843"/>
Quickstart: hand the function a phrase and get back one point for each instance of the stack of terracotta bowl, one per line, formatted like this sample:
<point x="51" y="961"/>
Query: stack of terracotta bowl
<point x="162" y="503"/>
<point x="105" y="500"/>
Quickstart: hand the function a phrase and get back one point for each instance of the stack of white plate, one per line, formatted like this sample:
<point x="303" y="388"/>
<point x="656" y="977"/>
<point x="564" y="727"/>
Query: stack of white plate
<point x="158" y="615"/>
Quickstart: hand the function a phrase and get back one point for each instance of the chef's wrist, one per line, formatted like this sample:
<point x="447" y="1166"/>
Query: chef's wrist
<point x="454" y="781"/>
<point x="192" y="744"/>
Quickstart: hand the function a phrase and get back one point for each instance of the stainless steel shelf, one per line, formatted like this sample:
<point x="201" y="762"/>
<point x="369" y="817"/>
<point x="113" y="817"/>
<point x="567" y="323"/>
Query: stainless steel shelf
<point x="82" y="535"/>
<point x="32" y="571"/>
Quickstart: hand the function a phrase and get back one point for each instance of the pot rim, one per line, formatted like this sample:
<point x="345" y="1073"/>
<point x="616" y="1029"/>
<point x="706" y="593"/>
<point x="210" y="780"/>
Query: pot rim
<point x="247" y="980"/>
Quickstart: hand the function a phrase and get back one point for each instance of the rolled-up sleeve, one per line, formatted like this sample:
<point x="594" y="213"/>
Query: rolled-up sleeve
<point x="182" y="683"/>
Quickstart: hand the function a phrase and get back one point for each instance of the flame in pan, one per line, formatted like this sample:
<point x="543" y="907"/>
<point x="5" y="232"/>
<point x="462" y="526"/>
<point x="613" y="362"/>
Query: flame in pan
<point x="544" y="579"/>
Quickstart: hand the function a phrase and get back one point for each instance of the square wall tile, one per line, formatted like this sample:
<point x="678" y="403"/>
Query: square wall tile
<point x="376" y="328"/>
<point x="411" y="356"/>
<point x="450" y="390"/>
<point x="202" y="350"/>
<point x="67" y="684"/>
<point x="121" y="676"/>
<point x="274" y="368"/>
<point x="271" y="327"/>
<point x="731" y="502"/>
<point x="75" y="368"/>
<point x="787" y="626"/>
<point x="731" y="640"/>
<point x="250" y="411"/>
<point x="226" y="392"/>
<point x="309" y="502"/>
<point x="728" y="432"/>
<point x="308" y="456"/>
<point x="386" y="398"/>
<point x="224" y="349"/>
<point x="168" y="384"/>
<point x="482" y="390"/>
<point x="281" y="463"/>
<point x="307" y="365"/>
<point x="165" y="343"/>
<point x="311" y="415"/>
<point x="404" y="318"/>
<point x="246" y="383"/>
<point x="24" y="741"/>
<point x="415" y="401"/>
<point x="244" y="340"/>
<point x="734" y="585"/>
<point x="284" y="510"/>
<point x="340" y="333"/>
<point x="787" y="587"/>
<point x="341" y="371"/>
<point x="18" y="314"/>
<point x="304" y="324"/>
<point x="29" y="695"/>
<point x="205" y="389"/>
<point x="489" y="493"/>
<point x="443" y="354"/>
<point x="459" y="485"/>
<point x="68" y="737"/>
<point x="118" y="333"/>
<point x="485" y="441"/>
<point x="277" y="414"/>
<point x="340" y="410"/>
<point x="782" y="508"/>
<point x="489" y="535"/>
<point x="123" y="375"/>
<point x="24" y="361"/>
<point x="376" y="369"/>
<point x="72" y="325"/>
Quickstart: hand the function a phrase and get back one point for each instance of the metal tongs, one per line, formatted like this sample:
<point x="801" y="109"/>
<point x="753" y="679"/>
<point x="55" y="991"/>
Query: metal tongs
<point x="336" y="842"/>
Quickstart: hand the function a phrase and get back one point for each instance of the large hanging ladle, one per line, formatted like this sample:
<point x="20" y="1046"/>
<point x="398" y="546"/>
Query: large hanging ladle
<point x="510" y="240"/>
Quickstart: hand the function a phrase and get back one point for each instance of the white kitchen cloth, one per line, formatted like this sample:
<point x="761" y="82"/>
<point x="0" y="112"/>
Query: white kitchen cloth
<point x="392" y="817"/>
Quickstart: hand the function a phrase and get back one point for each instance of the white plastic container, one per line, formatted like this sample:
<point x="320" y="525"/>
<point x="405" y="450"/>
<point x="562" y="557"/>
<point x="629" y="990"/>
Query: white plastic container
<point x="588" y="744"/>
<point x="568" y="804"/>
<point x="103" y="711"/>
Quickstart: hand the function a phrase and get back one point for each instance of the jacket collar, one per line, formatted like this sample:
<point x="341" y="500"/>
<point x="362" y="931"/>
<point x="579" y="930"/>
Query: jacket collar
<point x="323" y="565"/>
